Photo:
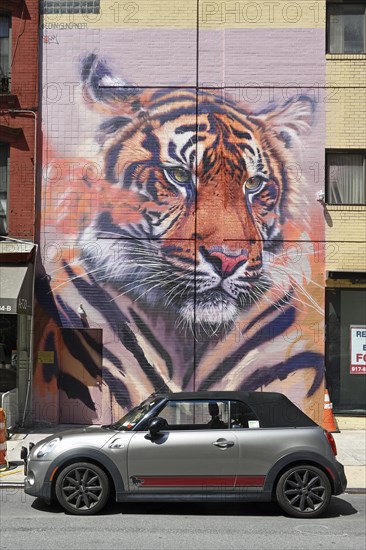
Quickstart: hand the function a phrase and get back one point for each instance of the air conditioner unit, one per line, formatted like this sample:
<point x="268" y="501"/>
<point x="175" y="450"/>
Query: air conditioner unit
<point x="5" y="85"/>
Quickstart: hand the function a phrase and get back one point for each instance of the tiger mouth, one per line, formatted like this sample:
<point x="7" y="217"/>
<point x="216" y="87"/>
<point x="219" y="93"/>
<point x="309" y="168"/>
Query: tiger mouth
<point x="251" y="279"/>
<point x="218" y="307"/>
<point x="236" y="288"/>
<point x="211" y="308"/>
<point x="221" y="298"/>
<point x="216" y="297"/>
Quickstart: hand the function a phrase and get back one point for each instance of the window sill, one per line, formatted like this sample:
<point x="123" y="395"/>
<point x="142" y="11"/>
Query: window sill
<point x="345" y="56"/>
<point x="354" y="207"/>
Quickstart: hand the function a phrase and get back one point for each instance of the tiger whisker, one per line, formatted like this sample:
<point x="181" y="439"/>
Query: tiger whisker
<point x="301" y="289"/>
<point x="70" y="264"/>
<point x="174" y="293"/>
<point x="153" y="277"/>
<point x="136" y="283"/>
<point x="160" y="284"/>
<point x="291" y="274"/>
<point x="71" y="279"/>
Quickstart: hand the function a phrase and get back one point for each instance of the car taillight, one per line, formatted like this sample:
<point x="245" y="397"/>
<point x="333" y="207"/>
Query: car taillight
<point x="331" y="441"/>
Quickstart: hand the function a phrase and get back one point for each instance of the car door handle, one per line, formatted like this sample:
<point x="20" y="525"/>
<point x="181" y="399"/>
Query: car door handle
<point x="223" y="443"/>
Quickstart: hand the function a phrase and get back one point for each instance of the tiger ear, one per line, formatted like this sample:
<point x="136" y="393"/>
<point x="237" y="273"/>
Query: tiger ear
<point x="290" y="120"/>
<point x="106" y="93"/>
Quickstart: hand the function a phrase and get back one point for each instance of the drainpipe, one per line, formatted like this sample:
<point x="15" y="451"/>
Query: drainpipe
<point x="31" y="341"/>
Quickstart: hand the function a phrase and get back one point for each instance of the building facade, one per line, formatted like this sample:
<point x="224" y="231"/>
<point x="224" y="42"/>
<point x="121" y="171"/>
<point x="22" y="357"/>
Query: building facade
<point x="345" y="211"/>
<point x="189" y="202"/>
<point x="18" y="161"/>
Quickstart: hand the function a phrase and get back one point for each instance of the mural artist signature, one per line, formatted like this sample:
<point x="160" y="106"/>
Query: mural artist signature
<point x="50" y="39"/>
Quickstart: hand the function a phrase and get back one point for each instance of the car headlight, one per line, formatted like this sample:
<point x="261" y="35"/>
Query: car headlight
<point x="48" y="447"/>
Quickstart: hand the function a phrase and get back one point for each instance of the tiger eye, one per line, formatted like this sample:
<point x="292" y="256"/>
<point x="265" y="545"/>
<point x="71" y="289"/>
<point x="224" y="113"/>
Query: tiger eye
<point x="181" y="175"/>
<point x="253" y="183"/>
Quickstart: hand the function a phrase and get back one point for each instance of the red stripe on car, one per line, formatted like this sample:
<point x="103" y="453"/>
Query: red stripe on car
<point x="250" y="481"/>
<point x="199" y="481"/>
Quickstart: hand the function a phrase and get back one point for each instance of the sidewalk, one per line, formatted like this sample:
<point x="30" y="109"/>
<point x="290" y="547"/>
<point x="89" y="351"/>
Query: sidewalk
<point x="351" y="446"/>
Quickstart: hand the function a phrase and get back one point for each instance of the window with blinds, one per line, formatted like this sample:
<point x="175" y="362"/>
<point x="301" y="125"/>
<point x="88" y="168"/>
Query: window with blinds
<point x="346" y="177"/>
<point x="5" y="43"/>
<point x="346" y="23"/>
<point x="4" y="181"/>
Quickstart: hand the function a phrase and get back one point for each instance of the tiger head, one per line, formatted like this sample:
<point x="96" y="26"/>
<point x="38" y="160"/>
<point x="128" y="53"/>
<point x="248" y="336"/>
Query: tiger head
<point x="213" y="193"/>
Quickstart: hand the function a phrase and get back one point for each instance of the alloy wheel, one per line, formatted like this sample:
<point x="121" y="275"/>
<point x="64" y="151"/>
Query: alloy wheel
<point x="82" y="488"/>
<point x="303" y="491"/>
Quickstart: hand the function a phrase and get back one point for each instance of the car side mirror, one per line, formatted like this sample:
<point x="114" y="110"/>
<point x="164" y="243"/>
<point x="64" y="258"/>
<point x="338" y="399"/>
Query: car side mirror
<point x="156" y="425"/>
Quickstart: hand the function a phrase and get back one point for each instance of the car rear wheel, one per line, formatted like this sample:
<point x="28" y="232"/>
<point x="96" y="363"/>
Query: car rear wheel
<point x="303" y="491"/>
<point x="82" y="488"/>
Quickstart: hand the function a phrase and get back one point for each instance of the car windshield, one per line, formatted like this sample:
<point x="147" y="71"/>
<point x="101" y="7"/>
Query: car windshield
<point x="129" y="421"/>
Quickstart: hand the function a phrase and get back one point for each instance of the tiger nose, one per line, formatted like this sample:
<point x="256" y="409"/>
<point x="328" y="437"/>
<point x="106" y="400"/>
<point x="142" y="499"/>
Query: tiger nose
<point x="226" y="263"/>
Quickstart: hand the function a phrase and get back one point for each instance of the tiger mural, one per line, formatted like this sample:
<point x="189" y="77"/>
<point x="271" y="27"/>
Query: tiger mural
<point x="192" y="256"/>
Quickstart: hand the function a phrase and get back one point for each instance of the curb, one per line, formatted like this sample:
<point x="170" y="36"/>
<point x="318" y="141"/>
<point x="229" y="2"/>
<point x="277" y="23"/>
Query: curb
<point x="12" y="485"/>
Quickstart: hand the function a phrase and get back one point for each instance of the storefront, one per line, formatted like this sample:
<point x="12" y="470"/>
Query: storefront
<point x="346" y="342"/>
<point x="17" y="261"/>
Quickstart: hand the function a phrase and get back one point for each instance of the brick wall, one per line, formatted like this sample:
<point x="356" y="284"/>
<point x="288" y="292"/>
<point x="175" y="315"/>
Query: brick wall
<point x="25" y="53"/>
<point x="346" y="238"/>
<point x="346" y="123"/>
<point x="23" y="96"/>
<point x="21" y="189"/>
<point x="346" y="101"/>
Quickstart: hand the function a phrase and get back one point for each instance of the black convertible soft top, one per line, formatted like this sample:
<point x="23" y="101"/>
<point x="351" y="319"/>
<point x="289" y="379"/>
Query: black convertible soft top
<point x="274" y="410"/>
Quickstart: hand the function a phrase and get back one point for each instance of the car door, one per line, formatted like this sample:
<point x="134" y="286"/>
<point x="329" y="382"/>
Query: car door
<point x="254" y="448"/>
<point x="188" y="456"/>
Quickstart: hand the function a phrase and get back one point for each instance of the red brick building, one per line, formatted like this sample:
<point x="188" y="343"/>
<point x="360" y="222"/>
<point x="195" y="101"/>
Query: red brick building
<point x="19" y="21"/>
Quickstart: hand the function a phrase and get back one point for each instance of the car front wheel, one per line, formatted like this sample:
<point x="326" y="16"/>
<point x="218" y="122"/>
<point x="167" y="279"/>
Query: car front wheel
<point x="82" y="488"/>
<point x="303" y="491"/>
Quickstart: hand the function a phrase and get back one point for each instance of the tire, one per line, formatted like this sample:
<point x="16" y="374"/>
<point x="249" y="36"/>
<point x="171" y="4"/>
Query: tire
<point x="303" y="491"/>
<point x="82" y="489"/>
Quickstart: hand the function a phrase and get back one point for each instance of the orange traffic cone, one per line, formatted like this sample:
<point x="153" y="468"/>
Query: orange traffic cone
<point x="3" y="446"/>
<point x="329" y="423"/>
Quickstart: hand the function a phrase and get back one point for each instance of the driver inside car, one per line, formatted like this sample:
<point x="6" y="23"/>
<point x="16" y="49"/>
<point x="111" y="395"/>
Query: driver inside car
<point x="215" y="422"/>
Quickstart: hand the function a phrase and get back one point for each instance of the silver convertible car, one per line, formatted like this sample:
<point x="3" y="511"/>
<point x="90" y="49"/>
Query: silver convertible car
<point x="219" y="446"/>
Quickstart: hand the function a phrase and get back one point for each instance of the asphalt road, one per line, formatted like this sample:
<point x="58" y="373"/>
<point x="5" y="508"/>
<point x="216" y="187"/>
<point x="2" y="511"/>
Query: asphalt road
<point x="28" y="523"/>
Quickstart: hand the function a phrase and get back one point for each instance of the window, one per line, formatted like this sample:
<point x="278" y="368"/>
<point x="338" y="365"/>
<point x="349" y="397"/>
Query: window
<point x="4" y="54"/>
<point x="203" y="415"/>
<point x="346" y="177"/>
<point x="346" y="27"/>
<point x="4" y="177"/>
<point x="242" y="416"/>
<point x="196" y="415"/>
<point x="345" y="309"/>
